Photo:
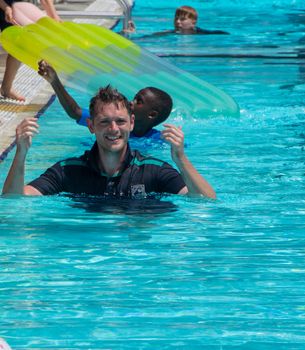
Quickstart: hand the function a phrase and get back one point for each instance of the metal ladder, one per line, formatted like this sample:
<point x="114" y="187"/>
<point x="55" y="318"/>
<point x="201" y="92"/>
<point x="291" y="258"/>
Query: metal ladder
<point x="125" y="5"/>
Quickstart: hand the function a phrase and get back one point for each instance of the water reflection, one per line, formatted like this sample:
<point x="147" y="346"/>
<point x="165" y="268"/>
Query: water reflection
<point x="113" y="206"/>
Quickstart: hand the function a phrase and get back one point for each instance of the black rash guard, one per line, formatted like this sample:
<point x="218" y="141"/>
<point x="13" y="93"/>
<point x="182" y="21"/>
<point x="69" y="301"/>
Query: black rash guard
<point x="139" y="177"/>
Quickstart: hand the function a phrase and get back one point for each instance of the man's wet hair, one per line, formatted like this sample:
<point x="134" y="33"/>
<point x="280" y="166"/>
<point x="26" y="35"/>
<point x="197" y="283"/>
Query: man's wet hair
<point x="163" y="104"/>
<point x="108" y="95"/>
<point x="186" y="12"/>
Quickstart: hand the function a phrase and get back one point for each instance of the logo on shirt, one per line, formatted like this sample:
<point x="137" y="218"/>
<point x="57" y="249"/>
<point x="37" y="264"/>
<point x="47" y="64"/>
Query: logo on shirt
<point x="138" y="191"/>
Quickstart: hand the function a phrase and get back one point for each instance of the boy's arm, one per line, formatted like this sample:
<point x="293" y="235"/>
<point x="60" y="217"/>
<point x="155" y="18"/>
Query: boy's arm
<point x="14" y="183"/>
<point x="66" y="100"/>
<point x="195" y="183"/>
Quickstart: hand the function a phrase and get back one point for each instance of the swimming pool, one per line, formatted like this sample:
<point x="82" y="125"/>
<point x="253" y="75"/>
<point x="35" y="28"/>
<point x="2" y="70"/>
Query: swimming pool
<point x="189" y="273"/>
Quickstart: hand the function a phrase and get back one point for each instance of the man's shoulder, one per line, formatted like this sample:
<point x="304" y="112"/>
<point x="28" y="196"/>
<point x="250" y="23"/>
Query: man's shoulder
<point x="86" y="160"/>
<point x="75" y="161"/>
<point x="141" y="160"/>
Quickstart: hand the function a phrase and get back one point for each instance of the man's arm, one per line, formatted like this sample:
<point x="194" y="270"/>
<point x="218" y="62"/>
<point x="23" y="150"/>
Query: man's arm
<point x="14" y="183"/>
<point x="195" y="183"/>
<point x="66" y="100"/>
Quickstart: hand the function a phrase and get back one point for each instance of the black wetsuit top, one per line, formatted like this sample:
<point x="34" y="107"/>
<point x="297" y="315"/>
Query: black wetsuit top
<point x="197" y="30"/>
<point x="140" y="176"/>
<point x="207" y="32"/>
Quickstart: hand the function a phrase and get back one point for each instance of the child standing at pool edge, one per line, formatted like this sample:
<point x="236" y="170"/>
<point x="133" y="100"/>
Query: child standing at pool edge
<point x="7" y="19"/>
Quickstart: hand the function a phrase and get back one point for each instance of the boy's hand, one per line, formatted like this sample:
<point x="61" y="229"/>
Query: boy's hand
<point x="46" y="71"/>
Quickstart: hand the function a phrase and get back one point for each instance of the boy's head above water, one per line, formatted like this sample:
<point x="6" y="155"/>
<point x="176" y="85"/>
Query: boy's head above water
<point x="185" y="19"/>
<point x="153" y="105"/>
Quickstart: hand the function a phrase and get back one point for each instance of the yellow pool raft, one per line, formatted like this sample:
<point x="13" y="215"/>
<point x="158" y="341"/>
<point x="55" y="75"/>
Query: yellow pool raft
<point x="88" y="56"/>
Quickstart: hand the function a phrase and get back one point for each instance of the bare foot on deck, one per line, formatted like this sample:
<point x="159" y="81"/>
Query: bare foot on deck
<point x="13" y="95"/>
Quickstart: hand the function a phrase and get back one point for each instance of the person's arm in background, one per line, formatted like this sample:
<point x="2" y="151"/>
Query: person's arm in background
<point x="131" y="28"/>
<point x="67" y="101"/>
<point x="14" y="183"/>
<point x="195" y="183"/>
<point x="48" y="6"/>
<point x="8" y="12"/>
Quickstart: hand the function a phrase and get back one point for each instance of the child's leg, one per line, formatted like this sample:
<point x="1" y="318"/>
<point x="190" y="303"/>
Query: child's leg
<point x="11" y="69"/>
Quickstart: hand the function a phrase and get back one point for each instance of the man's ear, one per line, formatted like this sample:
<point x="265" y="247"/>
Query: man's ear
<point x="90" y="125"/>
<point x="132" y="119"/>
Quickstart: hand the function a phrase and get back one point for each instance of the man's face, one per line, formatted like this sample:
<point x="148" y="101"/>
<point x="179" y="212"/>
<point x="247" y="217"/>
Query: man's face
<point x="111" y="126"/>
<point x="184" y="24"/>
<point x="142" y="105"/>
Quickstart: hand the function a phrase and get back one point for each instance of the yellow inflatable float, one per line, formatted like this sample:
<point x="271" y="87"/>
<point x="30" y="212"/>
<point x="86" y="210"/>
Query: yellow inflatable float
<point x="89" y="56"/>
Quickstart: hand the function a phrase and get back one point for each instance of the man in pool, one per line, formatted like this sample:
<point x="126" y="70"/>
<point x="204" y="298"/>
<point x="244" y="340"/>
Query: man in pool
<point x="110" y="168"/>
<point x="151" y="106"/>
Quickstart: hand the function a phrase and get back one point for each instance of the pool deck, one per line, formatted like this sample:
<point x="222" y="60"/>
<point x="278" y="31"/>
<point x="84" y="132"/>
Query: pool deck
<point x="35" y="89"/>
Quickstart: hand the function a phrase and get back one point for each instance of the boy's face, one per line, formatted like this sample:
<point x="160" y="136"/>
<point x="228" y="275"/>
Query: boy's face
<point x="142" y="105"/>
<point x="184" y="24"/>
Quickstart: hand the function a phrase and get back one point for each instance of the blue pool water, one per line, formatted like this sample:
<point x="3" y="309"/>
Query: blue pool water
<point x="183" y="273"/>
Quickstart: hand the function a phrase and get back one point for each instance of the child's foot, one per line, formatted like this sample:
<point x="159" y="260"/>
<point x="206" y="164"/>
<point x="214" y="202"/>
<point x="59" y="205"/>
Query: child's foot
<point x="12" y="95"/>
